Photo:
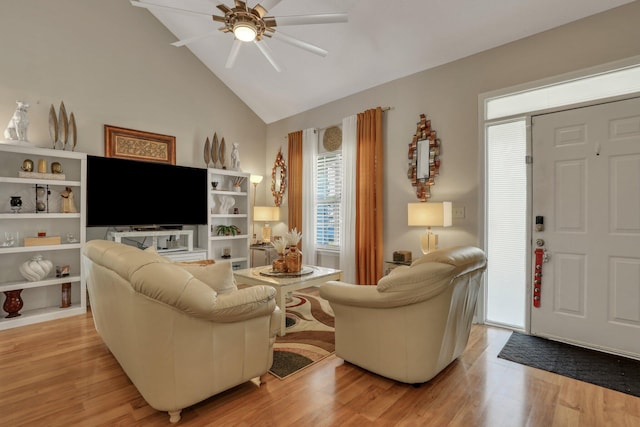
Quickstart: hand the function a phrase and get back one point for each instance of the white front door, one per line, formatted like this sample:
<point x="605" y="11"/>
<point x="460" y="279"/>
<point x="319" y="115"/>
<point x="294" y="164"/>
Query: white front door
<point x="586" y="186"/>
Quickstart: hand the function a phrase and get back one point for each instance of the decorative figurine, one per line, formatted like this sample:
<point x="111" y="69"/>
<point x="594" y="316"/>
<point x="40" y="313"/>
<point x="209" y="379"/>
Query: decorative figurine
<point x="223" y="151"/>
<point x="27" y="165"/>
<point x="17" y="128"/>
<point x="56" y="167"/>
<point x="16" y="203"/>
<point x="68" y="205"/>
<point x="226" y="203"/>
<point x="235" y="157"/>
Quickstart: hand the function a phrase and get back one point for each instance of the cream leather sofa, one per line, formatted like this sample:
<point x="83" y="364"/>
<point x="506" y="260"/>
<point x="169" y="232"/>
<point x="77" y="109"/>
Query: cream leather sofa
<point x="180" y="333"/>
<point x="417" y="319"/>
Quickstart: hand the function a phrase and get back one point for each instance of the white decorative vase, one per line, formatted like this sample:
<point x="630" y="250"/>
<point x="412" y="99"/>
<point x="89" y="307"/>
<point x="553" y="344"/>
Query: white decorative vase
<point x="36" y="268"/>
<point x="226" y="203"/>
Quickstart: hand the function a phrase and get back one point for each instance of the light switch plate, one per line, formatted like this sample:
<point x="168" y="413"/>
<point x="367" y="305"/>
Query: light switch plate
<point x="458" y="212"/>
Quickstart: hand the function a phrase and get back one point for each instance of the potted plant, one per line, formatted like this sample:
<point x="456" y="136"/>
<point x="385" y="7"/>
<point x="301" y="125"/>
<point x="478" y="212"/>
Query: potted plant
<point x="227" y="230"/>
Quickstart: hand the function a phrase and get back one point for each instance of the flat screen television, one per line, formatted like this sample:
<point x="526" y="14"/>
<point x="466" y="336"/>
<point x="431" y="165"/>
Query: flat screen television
<point x="132" y="193"/>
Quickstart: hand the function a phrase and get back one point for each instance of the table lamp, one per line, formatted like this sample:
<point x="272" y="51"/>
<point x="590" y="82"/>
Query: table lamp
<point x="429" y="214"/>
<point x="266" y="214"/>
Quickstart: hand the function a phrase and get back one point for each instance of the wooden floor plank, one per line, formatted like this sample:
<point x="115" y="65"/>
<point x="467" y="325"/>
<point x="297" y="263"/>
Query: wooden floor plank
<point x="59" y="373"/>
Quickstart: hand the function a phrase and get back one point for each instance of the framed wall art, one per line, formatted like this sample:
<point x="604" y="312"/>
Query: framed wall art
<point x="138" y="145"/>
<point x="424" y="158"/>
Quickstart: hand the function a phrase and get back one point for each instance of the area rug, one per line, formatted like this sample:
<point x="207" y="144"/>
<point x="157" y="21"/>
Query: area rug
<point x="603" y="369"/>
<point x="310" y="334"/>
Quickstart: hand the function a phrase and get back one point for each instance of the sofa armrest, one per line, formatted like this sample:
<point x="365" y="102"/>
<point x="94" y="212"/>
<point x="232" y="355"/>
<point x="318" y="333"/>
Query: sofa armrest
<point x="276" y="316"/>
<point x="255" y="301"/>
<point x="362" y="295"/>
<point x="375" y="297"/>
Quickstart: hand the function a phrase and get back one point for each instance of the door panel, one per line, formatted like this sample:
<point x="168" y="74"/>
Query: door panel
<point x="624" y="292"/>
<point x="570" y="284"/>
<point x="586" y="184"/>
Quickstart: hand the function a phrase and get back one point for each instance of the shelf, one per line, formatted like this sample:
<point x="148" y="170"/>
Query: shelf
<point x="229" y="215"/>
<point x="37" y="181"/>
<point x="196" y="254"/>
<point x="41" y="151"/>
<point x="229" y="192"/>
<point x="26" y="249"/>
<point x="236" y="237"/>
<point x="10" y="286"/>
<point x="227" y="172"/>
<point x="43" y="215"/>
<point x="28" y="317"/>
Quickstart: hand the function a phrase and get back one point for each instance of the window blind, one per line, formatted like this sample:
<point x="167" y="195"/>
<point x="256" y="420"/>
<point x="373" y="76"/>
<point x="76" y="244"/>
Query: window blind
<point x="328" y="199"/>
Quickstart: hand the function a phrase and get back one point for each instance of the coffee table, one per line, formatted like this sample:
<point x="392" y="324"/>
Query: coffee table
<point x="286" y="284"/>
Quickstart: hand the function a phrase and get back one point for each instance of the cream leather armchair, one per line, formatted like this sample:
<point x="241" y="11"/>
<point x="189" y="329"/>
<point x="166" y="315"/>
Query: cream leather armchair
<point x="417" y="319"/>
<point x="180" y="333"/>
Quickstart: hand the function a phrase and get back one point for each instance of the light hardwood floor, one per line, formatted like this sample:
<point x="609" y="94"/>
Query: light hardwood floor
<point x="59" y="373"/>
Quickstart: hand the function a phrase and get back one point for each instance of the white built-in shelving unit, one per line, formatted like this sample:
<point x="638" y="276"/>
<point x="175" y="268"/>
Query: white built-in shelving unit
<point x="238" y="244"/>
<point x="42" y="299"/>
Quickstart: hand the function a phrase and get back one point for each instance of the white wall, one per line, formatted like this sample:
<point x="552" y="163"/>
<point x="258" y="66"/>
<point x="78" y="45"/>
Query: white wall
<point x="112" y="63"/>
<point x="448" y="95"/>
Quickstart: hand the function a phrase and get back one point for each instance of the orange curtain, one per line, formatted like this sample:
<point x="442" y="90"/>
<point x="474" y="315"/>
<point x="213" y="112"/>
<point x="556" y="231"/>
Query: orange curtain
<point x="294" y="175"/>
<point x="369" y="232"/>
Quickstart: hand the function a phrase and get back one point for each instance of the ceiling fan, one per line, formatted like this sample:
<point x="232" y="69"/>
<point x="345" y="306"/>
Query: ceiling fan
<point x="251" y="24"/>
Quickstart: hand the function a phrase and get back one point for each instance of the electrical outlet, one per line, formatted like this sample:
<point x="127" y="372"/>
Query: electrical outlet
<point x="458" y="212"/>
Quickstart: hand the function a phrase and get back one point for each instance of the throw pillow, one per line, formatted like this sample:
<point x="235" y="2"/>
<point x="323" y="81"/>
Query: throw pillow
<point x="154" y="251"/>
<point x="218" y="276"/>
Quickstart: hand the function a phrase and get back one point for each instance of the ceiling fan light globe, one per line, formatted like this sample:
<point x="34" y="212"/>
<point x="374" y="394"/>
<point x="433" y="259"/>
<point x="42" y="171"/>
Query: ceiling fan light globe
<point x="245" y="31"/>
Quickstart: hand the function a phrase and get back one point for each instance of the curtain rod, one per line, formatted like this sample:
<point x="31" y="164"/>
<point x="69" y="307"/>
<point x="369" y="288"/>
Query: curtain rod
<point x="384" y="110"/>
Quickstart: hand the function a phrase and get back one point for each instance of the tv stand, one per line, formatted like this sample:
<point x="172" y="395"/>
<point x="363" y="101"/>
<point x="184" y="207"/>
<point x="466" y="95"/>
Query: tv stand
<point x="174" y="244"/>
<point x="170" y="227"/>
<point x="155" y="227"/>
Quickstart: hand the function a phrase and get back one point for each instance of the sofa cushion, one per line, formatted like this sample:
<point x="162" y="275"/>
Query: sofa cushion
<point x="154" y="251"/>
<point x="218" y="276"/>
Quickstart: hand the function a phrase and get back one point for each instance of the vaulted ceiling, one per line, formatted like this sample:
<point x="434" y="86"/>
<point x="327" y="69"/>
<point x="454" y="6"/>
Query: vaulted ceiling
<point x="383" y="40"/>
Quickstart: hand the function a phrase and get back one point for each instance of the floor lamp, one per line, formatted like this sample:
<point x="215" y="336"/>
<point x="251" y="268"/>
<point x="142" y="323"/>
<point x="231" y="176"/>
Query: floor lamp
<point x="255" y="180"/>
<point x="429" y="214"/>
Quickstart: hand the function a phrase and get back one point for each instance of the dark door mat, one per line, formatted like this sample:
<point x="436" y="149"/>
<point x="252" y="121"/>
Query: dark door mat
<point x="606" y="370"/>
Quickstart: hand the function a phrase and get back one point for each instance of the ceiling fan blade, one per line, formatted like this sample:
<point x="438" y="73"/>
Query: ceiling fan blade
<point x="240" y="4"/>
<point x="218" y="18"/>
<point x="325" y="18"/>
<point x="193" y="39"/>
<point x="266" y="51"/>
<point x="269" y="4"/>
<point x="261" y="11"/>
<point x="299" y="43"/>
<point x="172" y="9"/>
<point x="223" y="8"/>
<point x="233" y="54"/>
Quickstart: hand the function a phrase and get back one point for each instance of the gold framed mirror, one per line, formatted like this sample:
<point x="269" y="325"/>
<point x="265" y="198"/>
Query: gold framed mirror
<point x="424" y="158"/>
<point x="278" y="178"/>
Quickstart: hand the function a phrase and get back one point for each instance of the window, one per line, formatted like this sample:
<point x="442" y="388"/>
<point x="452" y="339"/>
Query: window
<point x="328" y="198"/>
<point x="506" y="223"/>
<point x="589" y="88"/>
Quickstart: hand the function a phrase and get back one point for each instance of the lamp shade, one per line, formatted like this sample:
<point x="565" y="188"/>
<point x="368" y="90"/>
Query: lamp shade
<point x="255" y="179"/>
<point x="266" y="213"/>
<point x="430" y="214"/>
